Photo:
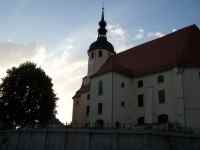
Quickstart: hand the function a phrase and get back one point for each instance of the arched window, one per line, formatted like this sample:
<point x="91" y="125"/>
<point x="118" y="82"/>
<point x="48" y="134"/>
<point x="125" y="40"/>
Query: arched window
<point x="92" y="55"/>
<point x="100" y="88"/>
<point x="100" y="53"/>
<point x="163" y="118"/>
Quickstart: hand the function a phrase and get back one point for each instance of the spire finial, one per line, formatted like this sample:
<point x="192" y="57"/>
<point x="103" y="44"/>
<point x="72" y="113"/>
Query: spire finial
<point x="102" y="16"/>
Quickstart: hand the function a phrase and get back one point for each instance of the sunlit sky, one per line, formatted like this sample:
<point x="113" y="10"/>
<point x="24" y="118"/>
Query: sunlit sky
<point x="55" y="34"/>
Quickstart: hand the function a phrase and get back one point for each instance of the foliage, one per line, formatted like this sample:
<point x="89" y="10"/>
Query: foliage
<point x="27" y="97"/>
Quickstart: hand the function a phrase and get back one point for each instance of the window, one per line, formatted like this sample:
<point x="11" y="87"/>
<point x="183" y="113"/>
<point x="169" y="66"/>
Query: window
<point x="162" y="118"/>
<point x="140" y="100"/>
<point x="161" y="96"/>
<point x="99" y="108"/>
<point x="122" y="85"/>
<point x="87" y="110"/>
<point x="100" y="88"/>
<point x="100" y="53"/>
<point x="117" y="124"/>
<point x="160" y="79"/>
<point x="92" y="55"/>
<point x="140" y="120"/>
<point x="140" y="83"/>
<point x="199" y="75"/>
<point x="99" y="123"/>
<point x="88" y="97"/>
<point x="123" y="104"/>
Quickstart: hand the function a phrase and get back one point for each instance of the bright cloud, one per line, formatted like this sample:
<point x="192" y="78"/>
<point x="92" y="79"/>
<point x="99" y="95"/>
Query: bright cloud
<point x="153" y="35"/>
<point x="173" y="30"/>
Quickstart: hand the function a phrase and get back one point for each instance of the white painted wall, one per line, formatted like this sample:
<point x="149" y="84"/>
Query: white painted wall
<point x="191" y="93"/>
<point x="96" y="62"/>
<point x="105" y="99"/>
<point x="182" y="101"/>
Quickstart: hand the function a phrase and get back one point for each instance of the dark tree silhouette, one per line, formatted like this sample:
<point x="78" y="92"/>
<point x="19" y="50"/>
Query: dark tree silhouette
<point x="27" y="97"/>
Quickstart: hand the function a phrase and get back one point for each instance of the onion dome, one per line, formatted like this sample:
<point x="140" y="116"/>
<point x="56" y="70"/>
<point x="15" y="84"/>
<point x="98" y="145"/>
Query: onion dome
<point x="101" y="42"/>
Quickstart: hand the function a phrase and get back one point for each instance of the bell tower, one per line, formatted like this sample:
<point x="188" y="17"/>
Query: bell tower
<point x="100" y="50"/>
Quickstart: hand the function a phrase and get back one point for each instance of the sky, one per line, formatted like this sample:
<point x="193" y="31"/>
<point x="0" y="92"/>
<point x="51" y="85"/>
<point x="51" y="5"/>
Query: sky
<point x="56" y="34"/>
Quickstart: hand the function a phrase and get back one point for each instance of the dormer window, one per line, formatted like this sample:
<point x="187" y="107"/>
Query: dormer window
<point x="100" y="53"/>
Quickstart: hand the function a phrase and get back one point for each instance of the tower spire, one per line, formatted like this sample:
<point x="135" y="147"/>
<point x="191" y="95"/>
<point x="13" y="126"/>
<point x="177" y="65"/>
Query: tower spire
<point x="102" y="26"/>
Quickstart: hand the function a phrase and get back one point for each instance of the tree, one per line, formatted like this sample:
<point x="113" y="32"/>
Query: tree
<point x="27" y="97"/>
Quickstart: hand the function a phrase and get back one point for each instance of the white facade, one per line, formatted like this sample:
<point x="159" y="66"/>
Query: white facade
<point x="120" y="104"/>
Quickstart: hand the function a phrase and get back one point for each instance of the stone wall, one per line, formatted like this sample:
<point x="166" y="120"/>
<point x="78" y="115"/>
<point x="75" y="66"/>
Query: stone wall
<point x="96" y="139"/>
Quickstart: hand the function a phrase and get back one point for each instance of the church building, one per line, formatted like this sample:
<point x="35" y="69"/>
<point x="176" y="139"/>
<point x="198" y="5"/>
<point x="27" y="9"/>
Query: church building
<point x="157" y="82"/>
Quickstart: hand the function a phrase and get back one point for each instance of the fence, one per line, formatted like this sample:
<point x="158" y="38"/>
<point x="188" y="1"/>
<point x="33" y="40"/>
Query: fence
<point x="97" y="139"/>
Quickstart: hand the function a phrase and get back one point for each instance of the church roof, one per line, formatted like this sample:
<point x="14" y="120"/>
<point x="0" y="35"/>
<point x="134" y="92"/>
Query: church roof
<point x="101" y="43"/>
<point x="177" y="49"/>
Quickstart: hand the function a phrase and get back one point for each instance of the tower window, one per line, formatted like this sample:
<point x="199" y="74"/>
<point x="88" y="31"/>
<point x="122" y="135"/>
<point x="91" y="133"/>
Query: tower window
<point x="160" y="79"/>
<point x="87" y="110"/>
<point x="122" y="85"/>
<point x="100" y="53"/>
<point x="99" y="108"/>
<point x="140" y="100"/>
<point x="140" y="83"/>
<point x="100" y="88"/>
<point x="92" y="55"/>
<point x="161" y="96"/>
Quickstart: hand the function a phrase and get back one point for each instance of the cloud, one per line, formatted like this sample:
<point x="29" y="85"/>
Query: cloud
<point x="139" y="34"/>
<point x="118" y="36"/>
<point x="174" y="30"/>
<point x="153" y="35"/>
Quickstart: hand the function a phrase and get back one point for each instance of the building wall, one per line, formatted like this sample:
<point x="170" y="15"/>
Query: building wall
<point x="105" y="99"/>
<point x="96" y="62"/>
<point x="79" y="118"/>
<point x="152" y="108"/>
<point x="191" y="84"/>
<point x="182" y="103"/>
